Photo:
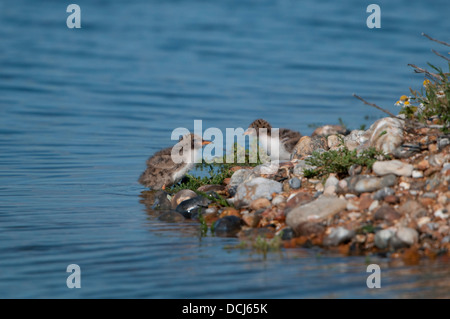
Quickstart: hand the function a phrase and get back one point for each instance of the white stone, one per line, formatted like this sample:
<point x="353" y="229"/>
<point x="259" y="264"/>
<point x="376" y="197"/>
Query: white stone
<point x="404" y="185"/>
<point x="374" y="205"/>
<point x="396" y="167"/>
<point x="417" y="174"/>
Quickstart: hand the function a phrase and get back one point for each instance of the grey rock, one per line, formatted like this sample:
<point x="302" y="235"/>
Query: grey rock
<point x="386" y="134"/>
<point x="396" y="167"/>
<point x="190" y="204"/>
<point x="382" y="238"/>
<point x="256" y="188"/>
<point x="287" y="233"/>
<point x="309" y="228"/>
<point x="443" y="141"/>
<point x="412" y="208"/>
<point x="338" y="236"/>
<point x="331" y="181"/>
<point x="241" y="176"/>
<point x="382" y="193"/>
<point x="171" y="217"/>
<point x="279" y="199"/>
<point x="355" y="169"/>
<point x="432" y="183"/>
<point x="445" y="168"/>
<point x="369" y="184"/>
<point x="295" y="183"/>
<point x="429" y="195"/>
<point x="161" y="201"/>
<point x="386" y="212"/>
<point x="388" y="180"/>
<point x="300" y="167"/>
<point x="404" y="237"/>
<point x="322" y="207"/>
<point x="266" y="168"/>
<point x="355" y="139"/>
<point x="227" y="226"/>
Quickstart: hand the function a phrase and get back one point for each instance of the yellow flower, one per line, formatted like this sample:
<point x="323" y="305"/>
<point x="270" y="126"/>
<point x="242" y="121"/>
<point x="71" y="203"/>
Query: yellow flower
<point x="404" y="100"/>
<point x="426" y="82"/>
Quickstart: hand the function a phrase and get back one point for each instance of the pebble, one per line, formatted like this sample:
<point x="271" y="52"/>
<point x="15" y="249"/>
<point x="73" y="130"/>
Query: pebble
<point x="386" y="134"/>
<point x="300" y="167"/>
<point x="386" y="212"/>
<point x="404" y="237"/>
<point x="432" y="183"/>
<point x="338" y="236"/>
<point x="181" y="196"/>
<point x="227" y="226"/>
<point x="330" y="130"/>
<point x="308" y="229"/>
<point x="331" y="181"/>
<point x="251" y="219"/>
<point x="429" y="195"/>
<point x="417" y="174"/>
<point x="171" y="217"/>
<point x="330" y="190"/>
<point x="368" y="184"/>
<point x="161" y="201"/>
<point x="322" y="207"/>
<point x="241" y="176"/>
<point x="307" y="145"/>
<point x="396" y="167"/>
<point x="287" y="233"/>
<point x="405" y="185"/>
<point x="266" y="169"/>
<point x="259" y="203"/>
<point x="355" y="169"/>
<point x="374" y="205"/>
<point x="412" y="208"/>
<point x="256" y="188"/>
<point x="382" y="193"/>
<point x="382" y="238"/>
<point x="279" y="199"/>
<point x="355" y="139"/>
<point x="295" y="183"/>
<point x="298" y="199"/>
<point x="443" y="142"/>
<point x="423" y="165"/>
<point x="192" y="203"/>
<point x="334" y="141"/>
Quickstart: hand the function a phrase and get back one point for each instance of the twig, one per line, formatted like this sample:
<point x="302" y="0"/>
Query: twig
<point x="420" y="70"/>
<point x="440" y="55"/>
<point x="441" y="42"/>
<point x="374" y="105"/>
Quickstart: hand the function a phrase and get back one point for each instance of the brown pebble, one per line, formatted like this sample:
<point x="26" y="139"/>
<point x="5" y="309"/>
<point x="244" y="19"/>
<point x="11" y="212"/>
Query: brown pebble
<point x="427" y="201"/>
<point x="300" y="198"/>
<point x="259" y="203"/>
<point x="365" y="201"/>
<point x="251" y="219"/>
<point x="392" y="199"/>
<point x="433" y="148"/>
<point x="227" y="180"/>
<point x="423" y="165"/>
<point x="228" y="211"/>
<point x="387" y="212"/>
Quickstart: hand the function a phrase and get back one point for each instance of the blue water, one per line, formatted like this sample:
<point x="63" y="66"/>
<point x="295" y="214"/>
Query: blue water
<point x="82" y="109"/>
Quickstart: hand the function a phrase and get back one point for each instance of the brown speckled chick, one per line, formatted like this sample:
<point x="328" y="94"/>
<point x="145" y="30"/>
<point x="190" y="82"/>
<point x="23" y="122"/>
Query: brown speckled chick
<point x="287" y="139"/>
<point x="164" y="170"/>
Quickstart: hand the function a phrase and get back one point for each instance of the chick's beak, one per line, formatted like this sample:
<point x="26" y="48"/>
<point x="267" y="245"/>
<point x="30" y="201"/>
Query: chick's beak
<point x="204" y="142"/>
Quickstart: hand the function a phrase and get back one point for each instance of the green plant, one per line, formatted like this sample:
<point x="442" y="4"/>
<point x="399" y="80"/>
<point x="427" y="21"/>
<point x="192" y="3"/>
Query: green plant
<point x="432" y="102"/>
<point x="339" y="161"/>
